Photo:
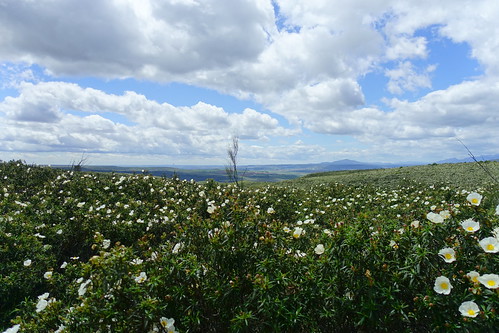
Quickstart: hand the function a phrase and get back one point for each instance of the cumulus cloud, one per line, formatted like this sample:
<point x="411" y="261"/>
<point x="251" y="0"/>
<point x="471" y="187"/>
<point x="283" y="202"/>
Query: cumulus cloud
<point x="315" y="103"/>
<point x="406" y="78"/>
<point x="147" y="39"/>
<point x="303" y="65"/>
<point x="42" y="118"/>
<point x="403" y="47"/>
<point x="465" y="111"/>
<point x="461" y="21"/>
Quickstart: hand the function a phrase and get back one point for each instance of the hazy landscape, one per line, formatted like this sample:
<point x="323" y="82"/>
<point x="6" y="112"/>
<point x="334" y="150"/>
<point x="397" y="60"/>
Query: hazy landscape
<point x="183" y="166"/>
<point x="259" y="173"/>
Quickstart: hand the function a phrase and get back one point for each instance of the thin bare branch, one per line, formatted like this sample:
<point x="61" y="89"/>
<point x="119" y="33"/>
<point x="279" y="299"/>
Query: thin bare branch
<point x="487" y="171"/>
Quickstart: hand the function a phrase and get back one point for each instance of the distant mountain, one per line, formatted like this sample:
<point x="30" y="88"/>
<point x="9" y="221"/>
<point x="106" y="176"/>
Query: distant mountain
<point x="470" y="159"/>
<point x="325" y="166"/>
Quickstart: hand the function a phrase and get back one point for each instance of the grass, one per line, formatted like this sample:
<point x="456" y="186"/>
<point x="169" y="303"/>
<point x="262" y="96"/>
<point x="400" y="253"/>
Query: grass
<point x="464" y="175"/>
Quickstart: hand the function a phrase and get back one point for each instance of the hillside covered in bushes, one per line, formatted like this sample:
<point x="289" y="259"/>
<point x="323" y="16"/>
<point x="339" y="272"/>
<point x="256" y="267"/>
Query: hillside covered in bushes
<point x="84" y="252"/>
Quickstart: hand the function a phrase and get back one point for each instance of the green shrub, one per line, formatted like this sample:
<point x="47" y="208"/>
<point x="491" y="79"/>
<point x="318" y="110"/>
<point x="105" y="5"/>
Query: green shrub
<point x="83" y="252"/>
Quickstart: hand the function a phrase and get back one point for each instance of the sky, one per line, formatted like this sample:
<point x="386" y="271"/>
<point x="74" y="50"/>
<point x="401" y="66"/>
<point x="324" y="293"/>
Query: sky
<point x="171" y="82"/>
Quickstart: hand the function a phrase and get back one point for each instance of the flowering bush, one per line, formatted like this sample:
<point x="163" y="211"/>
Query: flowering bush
<point x="134" y="253"/>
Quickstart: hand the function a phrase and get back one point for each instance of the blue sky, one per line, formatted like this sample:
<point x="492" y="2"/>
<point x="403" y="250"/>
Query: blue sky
<point x="170" y="82"/>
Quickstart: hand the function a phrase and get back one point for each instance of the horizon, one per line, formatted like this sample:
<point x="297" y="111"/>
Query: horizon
<point x="172" y="82"/>
<point x="451" y="160"/>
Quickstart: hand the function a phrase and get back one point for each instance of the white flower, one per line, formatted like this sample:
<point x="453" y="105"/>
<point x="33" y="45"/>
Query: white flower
<point x="141" y="277"/>
<point x="41" y="305"/>
<point x="270" y="210"/>
<point x="300" y="254"/>
<point x="445" y="214"/>
<point x="435" y="218"/>
<point x="27" y="262"/>
<point x="60" y="329"/>
<point x="13" y="329"/>
<point x="470" y="225"/>
<point x="490" y="281"/>
<point x="474" y="198"/>
<point x="298" y="232"/>
<point x="473" y="276"/>
<point x="490" y="244"/>
<point x="448" y="254"/>
<point x="469" y="309"/>
<point x="442" y="285"/>
<point x="497" y="210"/>
<point x="48" y="275"/>
<point x="286" y="229"/>
<point x="177" y="247"/>
<point x="44" y="296"/>
<point x="167" y="324"/>
<point x="106" y="243"/>
<point x="319" y="249"/>
<point x="64" y="264"/>
<point x="83" y="288"/>
<point x="211" y="209"/>
<point x="415" y="224"/>
<point x="136" y="261"/>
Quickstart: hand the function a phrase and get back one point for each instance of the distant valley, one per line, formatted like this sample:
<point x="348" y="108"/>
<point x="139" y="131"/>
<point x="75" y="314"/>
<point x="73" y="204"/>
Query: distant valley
<point x="259" y="173"/>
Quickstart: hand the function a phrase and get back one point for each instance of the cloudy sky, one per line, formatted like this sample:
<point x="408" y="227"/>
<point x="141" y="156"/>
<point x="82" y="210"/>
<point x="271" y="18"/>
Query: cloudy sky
<point x="153" y="82"/>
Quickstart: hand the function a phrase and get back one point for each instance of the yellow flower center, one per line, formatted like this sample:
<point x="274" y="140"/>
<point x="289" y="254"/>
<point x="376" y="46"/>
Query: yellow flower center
<point x="444" y="285"/>
<point x="474" y="200"/>
<point x="470" y="228"/>
<point x="448" y="256"/>
<point x="490" y="247"/>
<point x="471" y="312"/>
<point x="491" y="283"/>
<point x="474" y="279"/>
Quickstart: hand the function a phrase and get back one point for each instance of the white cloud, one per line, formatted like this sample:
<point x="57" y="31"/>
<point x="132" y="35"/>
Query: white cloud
<point x="306" y="72"/>
<point x="466" y="111"/>
<point x="316" y="103"/>
<point x="148" y="39"/>
<point x="462" y="21"/>
<point x="12" y="75"/>
<point x="38" y="120"/>
<point x="406" y="78"/>
<point x="296" y="152"/>
<point x="402" y="47"/>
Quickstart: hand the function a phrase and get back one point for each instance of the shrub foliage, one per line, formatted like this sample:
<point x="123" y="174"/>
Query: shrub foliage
<point x="131" y="253"/>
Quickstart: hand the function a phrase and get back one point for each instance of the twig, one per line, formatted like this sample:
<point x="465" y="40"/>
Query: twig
<point x="487" y="171"/>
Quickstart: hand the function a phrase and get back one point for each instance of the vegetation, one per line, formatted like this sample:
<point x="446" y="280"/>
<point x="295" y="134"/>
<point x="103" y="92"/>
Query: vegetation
<point x="462" y="175"/>
<point x="83" y="252"/>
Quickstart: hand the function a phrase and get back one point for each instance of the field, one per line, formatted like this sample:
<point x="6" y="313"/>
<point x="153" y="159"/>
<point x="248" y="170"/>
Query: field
<point x="463" y="175"/>
<point x="411" y="249"/>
